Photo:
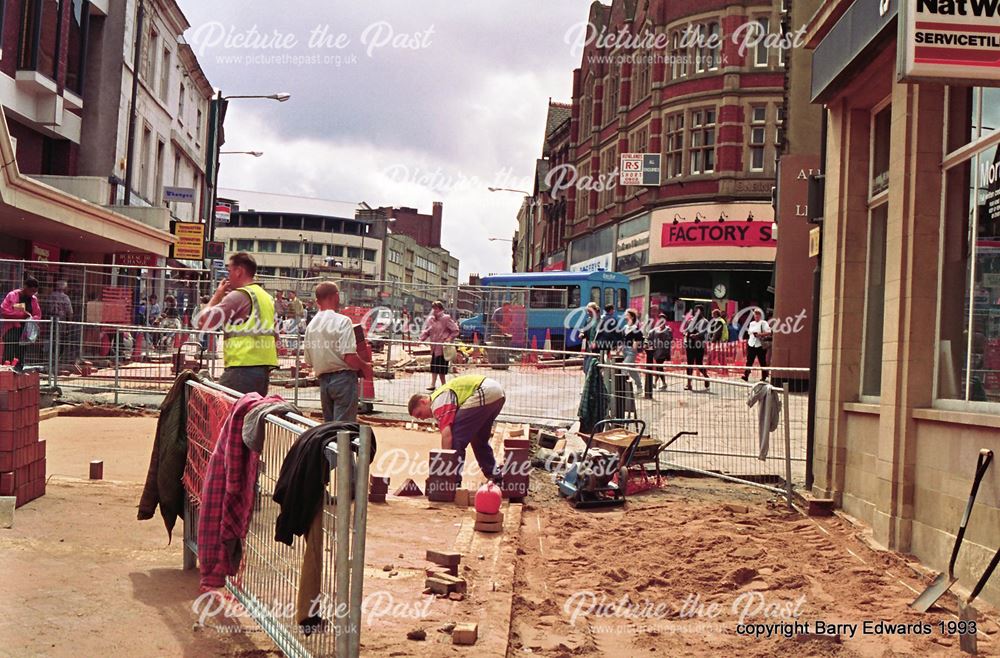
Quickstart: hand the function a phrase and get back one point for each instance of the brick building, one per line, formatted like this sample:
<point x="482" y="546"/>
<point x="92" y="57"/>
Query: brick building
<point x="681" y="86"/>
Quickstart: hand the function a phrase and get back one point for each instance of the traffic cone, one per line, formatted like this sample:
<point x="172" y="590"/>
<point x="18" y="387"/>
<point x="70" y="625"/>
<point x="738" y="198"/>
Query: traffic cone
<point x="137" y="346"/>
<point x="548" y="341"/>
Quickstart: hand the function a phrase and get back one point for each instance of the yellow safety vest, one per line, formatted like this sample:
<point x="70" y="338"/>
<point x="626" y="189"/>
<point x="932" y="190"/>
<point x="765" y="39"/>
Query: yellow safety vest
<point x="251" y="341"/>
<point x="463" y="387"/>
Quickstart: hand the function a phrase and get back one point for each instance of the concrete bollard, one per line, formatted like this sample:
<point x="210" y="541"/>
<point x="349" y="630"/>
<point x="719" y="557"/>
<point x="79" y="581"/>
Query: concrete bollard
<point x="7" y="504"/>
<point x="97" y="470"/>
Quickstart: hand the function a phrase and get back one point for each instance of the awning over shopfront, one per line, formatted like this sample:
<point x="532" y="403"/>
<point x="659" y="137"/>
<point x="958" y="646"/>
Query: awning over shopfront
<point x="36" y="212"/>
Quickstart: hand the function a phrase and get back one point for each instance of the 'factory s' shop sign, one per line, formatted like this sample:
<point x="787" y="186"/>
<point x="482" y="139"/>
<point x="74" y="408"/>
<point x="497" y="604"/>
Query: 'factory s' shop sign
<point x="955" y="40"/>
<point x="753" y="233"/>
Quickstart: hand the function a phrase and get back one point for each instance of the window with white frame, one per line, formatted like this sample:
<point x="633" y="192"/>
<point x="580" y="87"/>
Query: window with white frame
<point x="611" y="96"/>
<point x="608" y="166"/>
<point x="758" y="137"/>
<point x="708" y="47"/>
<point x="678" y="57"/>
<point x="760" y="48"/>
<point x="639" y="140"/>
<point x="675" y="144"/>
<point x="702" y="141"/>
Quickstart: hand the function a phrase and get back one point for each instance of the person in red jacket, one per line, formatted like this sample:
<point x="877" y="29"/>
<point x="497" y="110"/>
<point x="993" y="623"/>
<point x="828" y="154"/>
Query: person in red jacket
<point x="19" y="305"/>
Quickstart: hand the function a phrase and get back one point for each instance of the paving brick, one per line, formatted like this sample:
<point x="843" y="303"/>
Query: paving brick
<point x="517" y="444"/>
<point x="465" y="634"/>
<point x="488" y="527"/>
<point x="437" y="585"/>
<point x="409" y="488"/>
<point x="463" y="497"/>
<point x="489" y="518"/>
<point x="376" y="498"/>
<point x="444" y="558"/>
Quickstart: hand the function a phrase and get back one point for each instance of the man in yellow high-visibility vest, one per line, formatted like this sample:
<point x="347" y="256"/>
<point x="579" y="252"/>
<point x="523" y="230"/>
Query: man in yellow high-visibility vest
<point x="245" y="313"/>
<point x="465" y="409"/>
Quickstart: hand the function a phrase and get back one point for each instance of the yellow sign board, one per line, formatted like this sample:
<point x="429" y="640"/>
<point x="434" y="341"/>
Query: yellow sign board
<point x="191" y="240"/>
<point x="814" y="242"/>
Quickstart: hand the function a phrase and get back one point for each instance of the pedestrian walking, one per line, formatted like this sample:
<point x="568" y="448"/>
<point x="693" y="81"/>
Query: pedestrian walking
<point x="439" y="328"/>
<point x="632" y="340"/>
<point x="331" y="348"/>
<point x="588" y="335"/>
<point x="695" y="336"/>
<point x="758" y="341"/>
<point x="465" y="409"/>
<point x="245" y="313"/>
<point x="718" y="336"/>
<point x="19" y="307"/>
<point x="660" y="341"/>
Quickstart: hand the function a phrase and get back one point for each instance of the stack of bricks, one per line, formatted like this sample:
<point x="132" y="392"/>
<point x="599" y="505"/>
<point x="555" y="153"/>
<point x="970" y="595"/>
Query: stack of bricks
<point x="516" y="468"/>
<point x="489" y="522"/>
<point x="378" y="488"/>
<point x="442" y="577"/>
<point x="444" y="476"/>
<point x="22" y="455"/>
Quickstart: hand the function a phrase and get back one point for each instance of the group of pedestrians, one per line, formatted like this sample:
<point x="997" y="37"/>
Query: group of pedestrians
<point x="624" y="339"/>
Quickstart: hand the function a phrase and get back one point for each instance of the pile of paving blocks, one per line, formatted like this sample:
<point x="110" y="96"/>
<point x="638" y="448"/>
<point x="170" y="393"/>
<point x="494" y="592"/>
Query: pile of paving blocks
<point x="516" y="465"/>
<point x="442" y="578"/>
<point x="444" y="477"/>
<point x="489" y="522"/>
<point x="378" y="488"/>
<point x="22" y="455"/>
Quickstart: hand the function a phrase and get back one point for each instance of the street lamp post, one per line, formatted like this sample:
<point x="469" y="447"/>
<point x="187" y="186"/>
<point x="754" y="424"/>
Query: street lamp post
<point x="218" y="110"/>
<point x="530" y="200"/>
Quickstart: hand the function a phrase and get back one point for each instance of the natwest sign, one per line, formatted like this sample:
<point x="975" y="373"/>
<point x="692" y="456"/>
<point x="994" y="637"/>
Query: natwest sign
<point x="955" y="40"/>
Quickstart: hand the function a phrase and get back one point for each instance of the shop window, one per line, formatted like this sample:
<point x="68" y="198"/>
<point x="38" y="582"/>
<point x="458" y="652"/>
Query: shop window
<point x="969" y="338"/>
<point x="702" y="143"/>
<point x="880" y="151"/>
<point x="675" y="145"/>
<point x="973" y="113"/>
<point x="871" y="373"/>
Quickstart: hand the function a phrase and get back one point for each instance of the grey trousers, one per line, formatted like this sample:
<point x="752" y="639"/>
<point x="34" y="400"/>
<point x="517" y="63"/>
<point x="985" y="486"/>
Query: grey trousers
<point x="338" y="392"/>
<point x="247" y="379"/>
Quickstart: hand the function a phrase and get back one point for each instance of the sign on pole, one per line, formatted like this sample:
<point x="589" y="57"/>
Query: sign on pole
<point x="948" y="40"/>
<point x="223" y="211"/>
<point x="178" y="194"/>
<point x="191" y="240"/>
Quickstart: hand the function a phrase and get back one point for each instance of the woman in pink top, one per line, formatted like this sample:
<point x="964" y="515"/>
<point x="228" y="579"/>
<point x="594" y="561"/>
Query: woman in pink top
<point x="15" y="307"/>
<point x="439" y="328"/>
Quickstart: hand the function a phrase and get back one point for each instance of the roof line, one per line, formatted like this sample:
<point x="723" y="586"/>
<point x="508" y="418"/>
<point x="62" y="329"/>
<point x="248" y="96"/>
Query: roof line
<point x="291" y="196"/>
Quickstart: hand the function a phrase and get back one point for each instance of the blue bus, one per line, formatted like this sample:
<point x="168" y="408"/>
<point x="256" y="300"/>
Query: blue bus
<point x="551" y="301"/>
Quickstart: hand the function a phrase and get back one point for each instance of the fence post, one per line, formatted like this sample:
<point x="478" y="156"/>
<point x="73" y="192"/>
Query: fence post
<point x="53" y="349"/>
<point x="117" y="363"/>
<point x="297" y="371"/>
<point x="358" y="549"/>
<point x="788" y="445"/>
<point x="342" y="548"/>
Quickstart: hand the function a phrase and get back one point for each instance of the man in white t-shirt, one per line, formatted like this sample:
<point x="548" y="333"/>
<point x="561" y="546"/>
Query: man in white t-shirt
<point x="757" y="331"/>
<point x="330" y="348"/>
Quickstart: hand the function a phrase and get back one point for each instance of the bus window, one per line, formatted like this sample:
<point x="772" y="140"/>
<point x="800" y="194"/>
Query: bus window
<point x="609" y="296"/>
<point x="622" y="299"/>
<point x="595" y="295"/>
<point x="573" y="298"/>
<point x="548" y="298"/>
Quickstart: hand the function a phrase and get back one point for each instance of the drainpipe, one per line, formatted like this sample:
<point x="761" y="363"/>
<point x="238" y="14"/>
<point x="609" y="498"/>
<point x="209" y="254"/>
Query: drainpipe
<point x="814" y="349"/>
<point x="140" y="19"/>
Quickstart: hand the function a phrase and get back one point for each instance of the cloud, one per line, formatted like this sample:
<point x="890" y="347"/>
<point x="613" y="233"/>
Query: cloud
<point x="428" y="101"/>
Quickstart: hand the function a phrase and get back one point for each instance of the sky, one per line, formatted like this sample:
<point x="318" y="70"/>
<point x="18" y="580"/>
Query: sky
<point x="394" y="102"/>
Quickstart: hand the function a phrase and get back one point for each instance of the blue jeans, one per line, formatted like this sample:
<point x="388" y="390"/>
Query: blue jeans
<point x="630" y="354"/>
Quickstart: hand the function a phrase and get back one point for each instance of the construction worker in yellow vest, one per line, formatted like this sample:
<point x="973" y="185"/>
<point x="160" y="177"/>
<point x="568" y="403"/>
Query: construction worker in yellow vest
<point x="244" y="312"/>
<point x="465" y="409"/>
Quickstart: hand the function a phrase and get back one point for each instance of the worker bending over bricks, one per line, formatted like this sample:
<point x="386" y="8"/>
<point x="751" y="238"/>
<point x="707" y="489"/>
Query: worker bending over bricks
<point x="465" y="409"/>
